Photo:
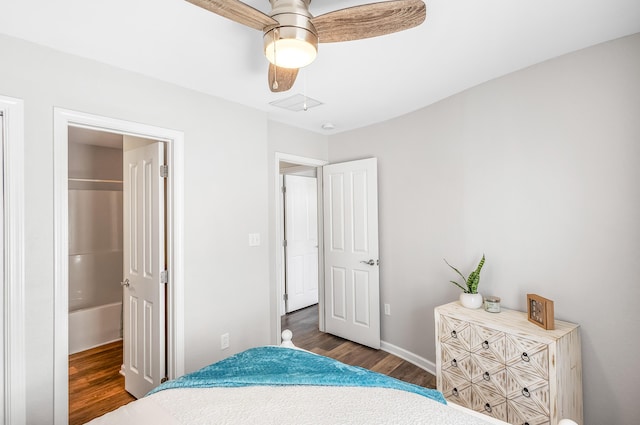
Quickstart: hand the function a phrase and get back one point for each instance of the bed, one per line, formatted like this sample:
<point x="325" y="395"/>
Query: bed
<point x="285" y="385"/>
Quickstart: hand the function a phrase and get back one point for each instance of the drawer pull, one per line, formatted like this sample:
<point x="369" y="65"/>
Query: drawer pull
<point x="454" y="392"/>
<point x="525" y="357"/>
<point x="454" y="334"/>
<point x="485" y="345"/>
<point x="486" y="376"/>
<point x="454" y="363"/>
<point x="525" y="392"/>
<point x="487" y="407"/>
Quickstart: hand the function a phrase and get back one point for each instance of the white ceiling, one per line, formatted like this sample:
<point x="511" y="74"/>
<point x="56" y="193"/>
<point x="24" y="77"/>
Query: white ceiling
<point x="461" y="44"/>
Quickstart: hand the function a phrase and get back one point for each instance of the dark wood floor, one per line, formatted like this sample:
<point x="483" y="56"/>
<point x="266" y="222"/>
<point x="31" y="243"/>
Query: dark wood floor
<point x="304" y="325"/>
<point x="96" y="386"/>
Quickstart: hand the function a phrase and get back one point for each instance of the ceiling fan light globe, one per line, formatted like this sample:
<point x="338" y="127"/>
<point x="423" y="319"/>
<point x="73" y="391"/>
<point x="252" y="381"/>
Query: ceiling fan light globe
<point x="291" y="53"/>
<point x="290" y="47"/>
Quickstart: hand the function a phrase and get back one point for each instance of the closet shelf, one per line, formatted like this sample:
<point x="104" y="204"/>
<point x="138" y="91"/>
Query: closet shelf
<point x="72" y="179"/>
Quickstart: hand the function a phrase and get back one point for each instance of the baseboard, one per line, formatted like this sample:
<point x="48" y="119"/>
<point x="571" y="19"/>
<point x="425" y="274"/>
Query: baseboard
<point x="421" y="362"/>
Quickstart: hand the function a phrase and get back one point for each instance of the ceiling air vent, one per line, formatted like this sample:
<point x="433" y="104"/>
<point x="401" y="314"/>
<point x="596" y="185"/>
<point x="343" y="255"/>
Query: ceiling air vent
<point x="295" y="103"/>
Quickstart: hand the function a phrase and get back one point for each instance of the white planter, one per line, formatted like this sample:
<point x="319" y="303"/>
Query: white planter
<point x="471" y="300"/>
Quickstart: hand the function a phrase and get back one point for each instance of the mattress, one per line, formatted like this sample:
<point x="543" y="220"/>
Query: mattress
<point x="284" y="405"/>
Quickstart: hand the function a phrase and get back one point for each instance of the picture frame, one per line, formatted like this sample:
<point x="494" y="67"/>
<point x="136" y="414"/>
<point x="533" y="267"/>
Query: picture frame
<point x="540" y="311"/>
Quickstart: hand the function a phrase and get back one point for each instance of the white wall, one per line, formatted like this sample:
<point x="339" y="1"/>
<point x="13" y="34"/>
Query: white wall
<point x="225" y="195"/>
<point x="538" y="170"/>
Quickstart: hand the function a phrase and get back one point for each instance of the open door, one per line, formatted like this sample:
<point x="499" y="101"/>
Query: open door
<point x="352" y="297"/>
<point x="144" y="269"/>
<point x="301" y="236"/>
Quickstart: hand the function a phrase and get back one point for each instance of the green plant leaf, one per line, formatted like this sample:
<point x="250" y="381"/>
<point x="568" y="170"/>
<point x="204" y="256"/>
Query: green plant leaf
<point x="456" y="270"/>
<point x="459" y="286"/>
<point x="472" y="281"/>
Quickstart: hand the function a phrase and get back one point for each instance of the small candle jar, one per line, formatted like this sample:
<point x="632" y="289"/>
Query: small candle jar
<point x="492" y="304"/>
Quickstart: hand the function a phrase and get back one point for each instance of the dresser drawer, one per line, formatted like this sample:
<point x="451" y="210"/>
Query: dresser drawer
<point x="518" y="414"/>
<point x="456" y="389"/>
<point x="534" y="396"/>
<point x="450" y="352"/>
<point x="489" y="403"/>
<point x="527" y="356"/>
<point x="455" y="332"/>
<point x="457" y="372"/>
<point x="489" y="375"/>
<point x="487" y="342"/>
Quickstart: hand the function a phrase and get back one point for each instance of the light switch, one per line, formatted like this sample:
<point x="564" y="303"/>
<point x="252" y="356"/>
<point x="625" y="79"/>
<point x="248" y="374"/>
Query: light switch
<point x="254" y="239"/>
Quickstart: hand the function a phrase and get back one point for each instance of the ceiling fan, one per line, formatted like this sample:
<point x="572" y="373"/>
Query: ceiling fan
<point x="291" y="33"/>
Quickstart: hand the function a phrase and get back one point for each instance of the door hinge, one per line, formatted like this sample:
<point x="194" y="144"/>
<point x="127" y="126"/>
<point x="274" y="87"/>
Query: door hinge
<point x="164" y="171"/>
<point x="284" y="243"/>
<point x="165" y="379"/>
<point x="285" y="297"/>
<point x="284" y="189"/>
<point x="164" y="277"/>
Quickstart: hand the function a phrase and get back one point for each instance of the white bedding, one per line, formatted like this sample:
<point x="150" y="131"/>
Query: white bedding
<point x="285" y="405"/>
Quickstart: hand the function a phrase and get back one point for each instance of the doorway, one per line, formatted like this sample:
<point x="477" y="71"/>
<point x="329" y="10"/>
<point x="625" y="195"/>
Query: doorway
<point x="111" y="266"/>
<point x="300" y="236"/>
<point x="300" y="165"/>
<point x="63" y="119"/>
<point x="348" y="260"/>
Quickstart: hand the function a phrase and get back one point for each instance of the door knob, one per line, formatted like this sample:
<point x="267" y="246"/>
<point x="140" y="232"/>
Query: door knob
<point x="125" y="283"/>
<point x="370" y="262"/>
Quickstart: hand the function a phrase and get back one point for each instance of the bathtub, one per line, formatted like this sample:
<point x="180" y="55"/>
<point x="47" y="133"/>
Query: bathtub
<point x="94" y="326"/>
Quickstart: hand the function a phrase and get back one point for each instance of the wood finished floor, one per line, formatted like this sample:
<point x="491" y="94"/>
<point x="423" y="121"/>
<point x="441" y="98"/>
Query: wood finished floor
<point x="304" y="325"/>
<point x="96" y="386"/>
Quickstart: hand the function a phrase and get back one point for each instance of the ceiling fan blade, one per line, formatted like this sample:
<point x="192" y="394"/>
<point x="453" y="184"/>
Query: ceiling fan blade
<point x="237" y="11"/>
<point x="369" y="20"/>
<point x="285" y="77"/>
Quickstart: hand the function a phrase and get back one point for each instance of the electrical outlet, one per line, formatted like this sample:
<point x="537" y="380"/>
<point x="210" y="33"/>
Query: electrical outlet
<point x="387" y="309"/>
<point x="224" y="341"/>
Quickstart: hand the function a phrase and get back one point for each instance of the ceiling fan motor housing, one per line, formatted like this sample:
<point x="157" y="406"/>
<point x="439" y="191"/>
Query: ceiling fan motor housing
<point x="294" y="42"/>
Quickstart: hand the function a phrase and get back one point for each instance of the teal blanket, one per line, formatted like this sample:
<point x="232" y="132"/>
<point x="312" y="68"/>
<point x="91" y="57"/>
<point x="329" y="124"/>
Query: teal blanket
<point x="285" y="366"/>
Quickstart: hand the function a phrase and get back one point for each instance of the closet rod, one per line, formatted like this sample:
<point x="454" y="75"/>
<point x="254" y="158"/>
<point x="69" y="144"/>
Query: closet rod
<point x="71" y="179"/>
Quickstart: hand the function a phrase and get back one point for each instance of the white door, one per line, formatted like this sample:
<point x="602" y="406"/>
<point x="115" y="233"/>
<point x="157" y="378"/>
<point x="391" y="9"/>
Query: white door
<point x="144" y="261"/>
<point x="301" y="235"/>
<point x="352" y="298"/>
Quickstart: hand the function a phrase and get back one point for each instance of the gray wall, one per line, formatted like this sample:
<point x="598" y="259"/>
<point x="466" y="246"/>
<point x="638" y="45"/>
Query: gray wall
<point x="225" y="199"/>
<point x="539" y="171"/>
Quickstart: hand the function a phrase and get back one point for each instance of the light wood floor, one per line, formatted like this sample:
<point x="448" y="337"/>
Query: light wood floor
<point x="96" y="386"/>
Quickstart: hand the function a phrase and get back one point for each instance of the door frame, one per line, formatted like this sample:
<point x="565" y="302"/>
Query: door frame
<point x="174" y="140"/>
<point x="13" y="403"/>
<point x="300" y="160"/>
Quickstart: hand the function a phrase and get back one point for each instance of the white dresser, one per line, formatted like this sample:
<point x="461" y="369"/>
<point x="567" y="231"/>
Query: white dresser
<point x="506" y="367"/>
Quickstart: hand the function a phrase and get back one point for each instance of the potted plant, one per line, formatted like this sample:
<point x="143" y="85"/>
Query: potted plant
<point x="470" y="297"/>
